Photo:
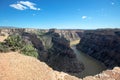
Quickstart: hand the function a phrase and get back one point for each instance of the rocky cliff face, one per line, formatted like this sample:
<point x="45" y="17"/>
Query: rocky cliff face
<point x="61" y="57"/>
<point x="70" y="35"/>
<point x="62" y="46"/>
<point x="34" y="39"/>
<point x="103" y="45"/>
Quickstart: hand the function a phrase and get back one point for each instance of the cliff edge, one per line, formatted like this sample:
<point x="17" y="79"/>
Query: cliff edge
<point x="15" y="66"/>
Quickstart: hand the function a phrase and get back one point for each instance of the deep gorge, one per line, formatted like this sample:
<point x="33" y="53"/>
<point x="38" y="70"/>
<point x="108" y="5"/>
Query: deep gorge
<point x="79" y="53"/>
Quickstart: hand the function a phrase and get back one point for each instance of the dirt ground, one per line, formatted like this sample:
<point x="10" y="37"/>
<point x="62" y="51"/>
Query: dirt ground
<point x="15" y="66"/>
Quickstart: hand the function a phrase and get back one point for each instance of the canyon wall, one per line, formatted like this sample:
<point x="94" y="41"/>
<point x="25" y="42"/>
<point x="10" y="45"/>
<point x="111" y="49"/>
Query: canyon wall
<point x="103" y="45"/>
<point x="69" y="34"/>
<point x="60" y="56"/>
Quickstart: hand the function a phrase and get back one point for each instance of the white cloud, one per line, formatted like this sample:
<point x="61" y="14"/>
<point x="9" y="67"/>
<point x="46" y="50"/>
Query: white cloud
<point x="29" y="4"/>
<point x="22" y="5"/>
<point x="84" y="17"/>
<point x="18" y="6"/>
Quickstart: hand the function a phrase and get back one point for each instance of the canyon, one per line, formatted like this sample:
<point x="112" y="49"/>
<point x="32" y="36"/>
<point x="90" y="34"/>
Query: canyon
<point x="103" y="45"/>
<point x="96" y="50"/>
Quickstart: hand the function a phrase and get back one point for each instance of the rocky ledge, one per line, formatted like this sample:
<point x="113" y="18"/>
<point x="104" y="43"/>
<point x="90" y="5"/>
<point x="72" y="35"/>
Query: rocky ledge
<point x="106" y="75"/>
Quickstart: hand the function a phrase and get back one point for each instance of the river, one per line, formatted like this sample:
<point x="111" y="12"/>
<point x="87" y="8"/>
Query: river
<point x="92" y="66"/>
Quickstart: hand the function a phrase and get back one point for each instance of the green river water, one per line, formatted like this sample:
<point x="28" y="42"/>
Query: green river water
<point x="92" y="66"/>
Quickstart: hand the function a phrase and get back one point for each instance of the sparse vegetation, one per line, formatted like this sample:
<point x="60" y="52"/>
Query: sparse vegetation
<point x="16" y="43"/>
<point x="29" y="50"/>
<point x="3" y="48"/>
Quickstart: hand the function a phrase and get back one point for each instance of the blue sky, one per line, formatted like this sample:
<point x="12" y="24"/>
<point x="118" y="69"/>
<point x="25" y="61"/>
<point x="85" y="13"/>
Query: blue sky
<point x="62" y="14"/>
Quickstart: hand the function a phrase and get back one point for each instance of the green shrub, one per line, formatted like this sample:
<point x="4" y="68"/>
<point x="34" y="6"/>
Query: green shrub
<point x="29" y="50"/>
<point x="14" y="42"/>
<point x="3" y="48"/>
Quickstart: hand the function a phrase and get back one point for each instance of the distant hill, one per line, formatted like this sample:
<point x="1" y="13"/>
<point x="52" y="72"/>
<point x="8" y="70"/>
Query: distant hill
<point x="1" y="27"/>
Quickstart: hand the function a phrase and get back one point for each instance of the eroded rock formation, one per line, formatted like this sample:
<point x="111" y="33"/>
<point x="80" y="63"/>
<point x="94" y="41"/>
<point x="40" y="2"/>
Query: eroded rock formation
<point x="61" y="57"/>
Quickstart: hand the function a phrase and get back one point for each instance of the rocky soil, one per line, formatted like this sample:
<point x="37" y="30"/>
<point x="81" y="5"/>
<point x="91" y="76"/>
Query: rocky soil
<point x="103" y="45"/>
<point x="14" y="66"/>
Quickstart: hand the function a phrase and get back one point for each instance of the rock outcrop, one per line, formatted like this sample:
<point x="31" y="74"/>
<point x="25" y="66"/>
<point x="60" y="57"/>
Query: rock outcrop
<point x="34" y="39"/>
<point x="106" y="75"/>
<point x="62" y="46"/>
<point x="61" y="57"/>
<point x="103" y="45"/>
<point x="70" y="35"/>
<point x="37" y="43"/>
